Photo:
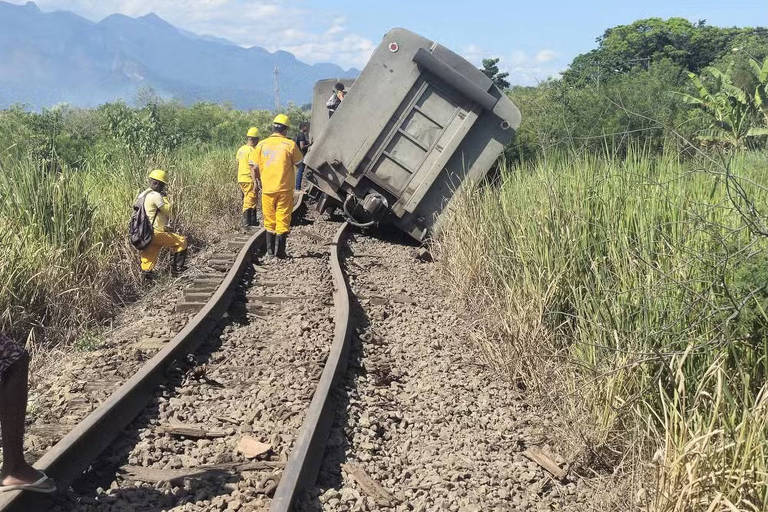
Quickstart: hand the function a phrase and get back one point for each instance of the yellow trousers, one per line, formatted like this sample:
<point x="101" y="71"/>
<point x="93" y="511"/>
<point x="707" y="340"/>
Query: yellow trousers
<point x="277" y="209"/>
<point x="250" y="195"/>
<point x="174" y="242"/>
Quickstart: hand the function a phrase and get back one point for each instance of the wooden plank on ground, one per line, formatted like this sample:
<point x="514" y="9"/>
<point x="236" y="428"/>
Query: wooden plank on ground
<point x="157" y="475"/>
<point x="369" y="486"/>
<point x="537" y="455"/>
<point x="195" y="431"/>
<point x="278" y="299"/>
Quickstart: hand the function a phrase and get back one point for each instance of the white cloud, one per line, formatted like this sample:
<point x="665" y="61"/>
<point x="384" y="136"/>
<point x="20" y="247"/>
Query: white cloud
<point x="318" y="35"/>
<point x="546" y="56"/>
<point x="523" y="68"/>
<point x="336" y="43"/>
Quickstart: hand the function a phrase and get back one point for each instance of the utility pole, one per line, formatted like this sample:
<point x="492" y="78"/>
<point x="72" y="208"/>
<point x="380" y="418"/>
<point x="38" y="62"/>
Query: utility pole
<point x="277" y="89"/>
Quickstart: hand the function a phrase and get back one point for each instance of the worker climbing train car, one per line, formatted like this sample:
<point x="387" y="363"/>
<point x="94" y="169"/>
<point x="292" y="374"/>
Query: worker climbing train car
<point x="320" y="118"/>
<point x="417" y="124"/>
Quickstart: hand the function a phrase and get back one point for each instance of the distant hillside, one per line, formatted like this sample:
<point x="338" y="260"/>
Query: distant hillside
<point x="49" y="58"/>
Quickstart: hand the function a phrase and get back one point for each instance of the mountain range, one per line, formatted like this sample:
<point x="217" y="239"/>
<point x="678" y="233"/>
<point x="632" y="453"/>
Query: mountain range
<point x="48" y="58"/>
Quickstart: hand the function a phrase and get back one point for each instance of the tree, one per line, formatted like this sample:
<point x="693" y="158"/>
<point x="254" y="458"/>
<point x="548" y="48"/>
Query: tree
<point x="146" y="95"/>
<point x="491" y="70"/>
<point x="691" y="46"/>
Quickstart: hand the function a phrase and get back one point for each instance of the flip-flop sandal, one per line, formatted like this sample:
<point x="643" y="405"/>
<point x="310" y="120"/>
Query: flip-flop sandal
<point x="44" y="485"/>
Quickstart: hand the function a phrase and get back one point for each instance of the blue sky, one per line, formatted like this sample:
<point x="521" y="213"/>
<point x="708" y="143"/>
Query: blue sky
<point x="534" y="39"/>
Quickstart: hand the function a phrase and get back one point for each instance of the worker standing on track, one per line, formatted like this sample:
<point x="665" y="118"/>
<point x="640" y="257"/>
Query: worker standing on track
<point x="245" y="179"/>
<point x="274" y="163"/>
<point x="158" y="209"/>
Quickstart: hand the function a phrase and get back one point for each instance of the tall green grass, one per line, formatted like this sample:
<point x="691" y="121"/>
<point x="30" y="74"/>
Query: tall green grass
<point x="66" y="262"/>
<point x="68" y="179"/>
<point x="634" y="292"/>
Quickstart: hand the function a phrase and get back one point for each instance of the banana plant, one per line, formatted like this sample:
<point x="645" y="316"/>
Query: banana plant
<point x="760" y="96"/>
<point x="731" y="109"/>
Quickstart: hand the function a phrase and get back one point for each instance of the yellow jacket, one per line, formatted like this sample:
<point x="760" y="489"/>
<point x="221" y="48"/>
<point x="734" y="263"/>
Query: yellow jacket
<point x="158" y="210"/>
<point x="243" y="170"/>
<point x="276" y="158"/>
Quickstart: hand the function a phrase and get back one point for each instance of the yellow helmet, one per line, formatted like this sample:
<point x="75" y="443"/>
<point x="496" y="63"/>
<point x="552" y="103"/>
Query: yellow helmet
<point x="253" y="132"/>
<point x="159" y="175"/>
<point x="282" y="119"/>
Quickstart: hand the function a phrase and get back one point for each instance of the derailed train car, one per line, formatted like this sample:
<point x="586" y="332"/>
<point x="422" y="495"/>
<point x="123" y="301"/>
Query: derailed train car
<point x="418" y="123"/>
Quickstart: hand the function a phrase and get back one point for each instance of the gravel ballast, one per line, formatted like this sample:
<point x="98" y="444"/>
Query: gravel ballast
<point x="432" y="427"/>
<point x="250" y="384"/>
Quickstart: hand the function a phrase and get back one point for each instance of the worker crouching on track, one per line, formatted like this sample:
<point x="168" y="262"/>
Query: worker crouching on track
<point x="158" y="209"/>
<point x="245" y="179"/>
<point x="274" y="163"/>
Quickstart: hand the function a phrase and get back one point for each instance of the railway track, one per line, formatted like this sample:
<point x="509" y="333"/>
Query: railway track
<point x="238" y="401"/>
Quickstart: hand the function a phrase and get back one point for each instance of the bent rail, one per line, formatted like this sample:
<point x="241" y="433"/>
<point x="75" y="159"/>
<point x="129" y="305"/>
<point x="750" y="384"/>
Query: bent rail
<point x="67" y="459"/>
<point x="307" y="455"/>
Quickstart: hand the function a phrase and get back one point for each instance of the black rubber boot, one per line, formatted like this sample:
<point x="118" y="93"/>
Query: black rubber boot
<point x="179" y="261"/>
<point x="254" y="217"/>
<point x="246" y="218"/>
<point x="147" y="276"/>
<point x="280" y="246"/>
<point x="270" y="244"/>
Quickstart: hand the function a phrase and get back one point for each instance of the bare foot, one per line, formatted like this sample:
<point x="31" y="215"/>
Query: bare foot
<point x="25" y="474"/>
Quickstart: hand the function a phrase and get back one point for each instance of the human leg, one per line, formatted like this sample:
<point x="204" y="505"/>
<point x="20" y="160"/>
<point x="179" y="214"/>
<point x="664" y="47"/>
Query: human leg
<point x="270" y="239"/>
<point x="283" y="214"/>
<point x="172" y="241"/>
<point x="179" y="263"/>
<point x="268" y="207"/>
<point x="149" y="255"/>
<point x="249" y="195"/>
<point x="176" y="244"/>
<point x="13" y="409"/>
<point x="250" y="199"/>
<point x="299" y="175"/>
<point x="256" y="203"/>
<point x="268" y="204"/>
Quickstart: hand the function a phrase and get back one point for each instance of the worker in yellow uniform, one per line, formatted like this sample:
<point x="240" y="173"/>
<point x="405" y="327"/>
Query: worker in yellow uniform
<point x="274" y="163"/>
<point x="245" y="179"/>
<point x="158" y="209"/>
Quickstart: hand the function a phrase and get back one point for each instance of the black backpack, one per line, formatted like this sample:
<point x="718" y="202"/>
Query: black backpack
<point x="140" y="228"/>
<point x="333" y="102"/>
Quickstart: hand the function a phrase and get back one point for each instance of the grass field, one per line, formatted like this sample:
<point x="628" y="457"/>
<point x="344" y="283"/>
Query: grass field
<point x="632" y="291"/>
<point x="67" y="263"/>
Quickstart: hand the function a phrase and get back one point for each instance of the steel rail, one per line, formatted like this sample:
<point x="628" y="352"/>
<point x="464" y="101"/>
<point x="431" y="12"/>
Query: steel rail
<point x="304" y="462"/>
<point x="68" y="458"/>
